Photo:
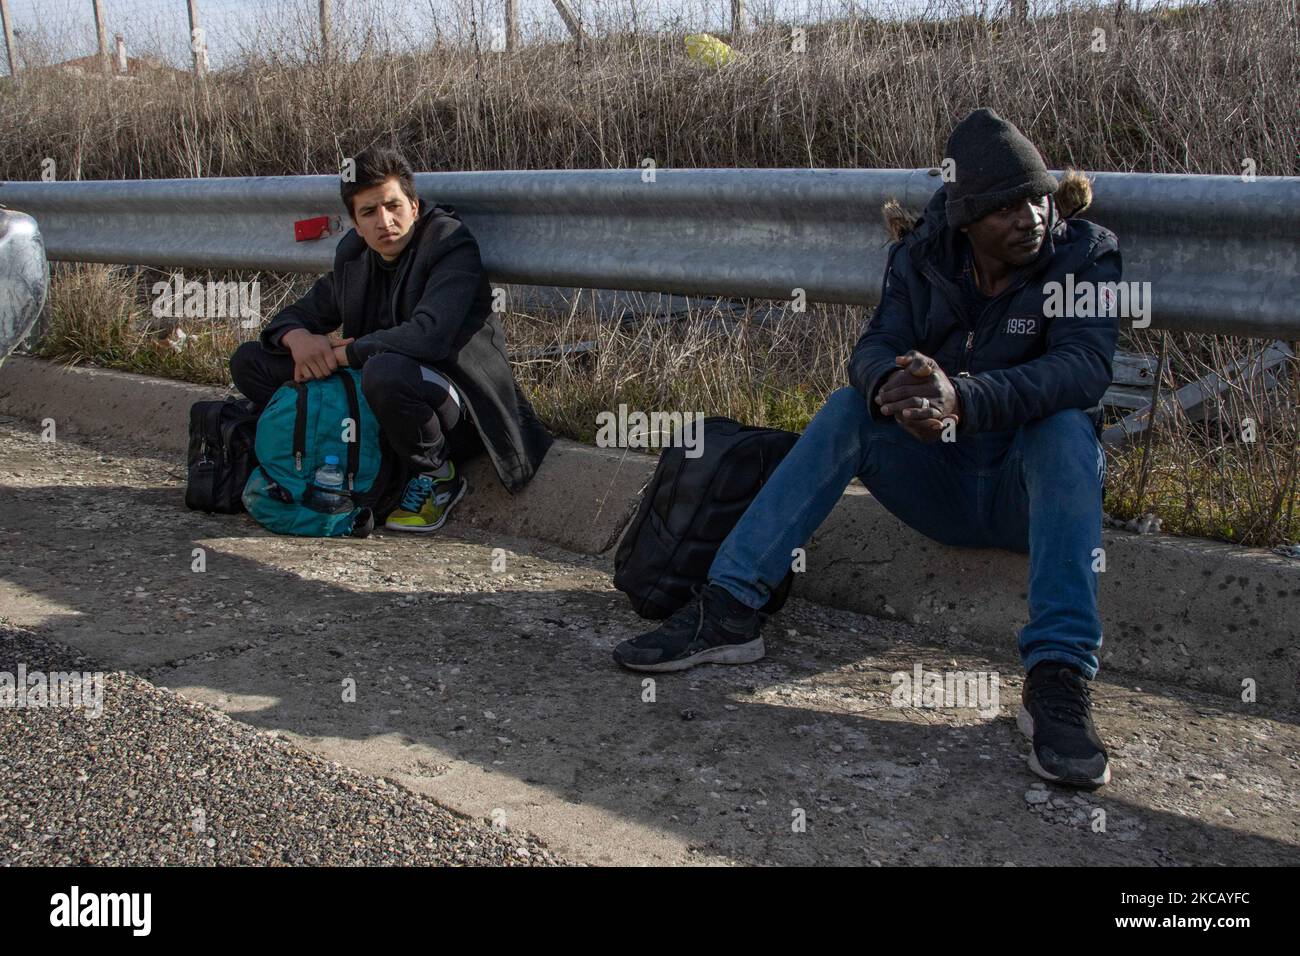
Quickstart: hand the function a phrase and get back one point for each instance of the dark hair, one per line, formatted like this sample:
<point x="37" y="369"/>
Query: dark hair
<point x="375" y="165"/>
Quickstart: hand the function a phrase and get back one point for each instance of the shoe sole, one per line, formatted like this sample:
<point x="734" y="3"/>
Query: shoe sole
<point x="721" y="654"/>
<point x="464" y="487"/>
<point x="1026" y="724"/>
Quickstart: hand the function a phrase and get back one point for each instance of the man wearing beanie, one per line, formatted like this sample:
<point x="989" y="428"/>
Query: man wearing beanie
<point x="973" y="417"/>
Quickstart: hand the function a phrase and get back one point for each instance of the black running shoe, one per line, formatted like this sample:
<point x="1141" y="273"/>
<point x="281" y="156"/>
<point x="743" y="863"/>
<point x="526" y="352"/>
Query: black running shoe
<point x="1056" y="715"/>
<point x="714" y="628"/>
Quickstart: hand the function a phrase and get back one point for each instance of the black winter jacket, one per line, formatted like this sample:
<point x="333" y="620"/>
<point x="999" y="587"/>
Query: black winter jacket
<point x="442" y="317"/>
<point x="1014" y="365"/>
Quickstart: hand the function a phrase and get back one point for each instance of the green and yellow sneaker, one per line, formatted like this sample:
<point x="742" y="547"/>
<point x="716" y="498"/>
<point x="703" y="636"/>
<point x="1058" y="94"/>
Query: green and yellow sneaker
<point x="427" y="502"/>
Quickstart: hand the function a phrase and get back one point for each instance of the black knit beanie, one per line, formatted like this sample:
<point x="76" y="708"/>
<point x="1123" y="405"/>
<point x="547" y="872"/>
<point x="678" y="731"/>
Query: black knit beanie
<point x="994" y="165"/>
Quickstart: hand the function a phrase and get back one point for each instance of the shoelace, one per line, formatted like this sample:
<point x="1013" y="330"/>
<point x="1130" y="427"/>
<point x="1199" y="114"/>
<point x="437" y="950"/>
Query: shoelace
<point x="1065" y="697"/>
<point x="692" y="610"/>
<point x="418" y="491"/>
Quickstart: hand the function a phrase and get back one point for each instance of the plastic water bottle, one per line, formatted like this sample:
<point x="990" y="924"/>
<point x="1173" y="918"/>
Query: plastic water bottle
<point x="328" y="486"/>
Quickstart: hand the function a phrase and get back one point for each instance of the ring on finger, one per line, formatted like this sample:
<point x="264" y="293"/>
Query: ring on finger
<point x="925" y="403"/>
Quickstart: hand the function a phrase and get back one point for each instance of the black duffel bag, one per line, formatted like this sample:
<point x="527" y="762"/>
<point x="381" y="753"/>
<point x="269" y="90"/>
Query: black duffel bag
<point x="221" y="454"/>
<point x="689" y="508"/>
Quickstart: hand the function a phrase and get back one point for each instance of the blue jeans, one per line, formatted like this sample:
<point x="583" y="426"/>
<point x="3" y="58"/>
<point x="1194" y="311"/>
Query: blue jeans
<point x="1036" y="488"/>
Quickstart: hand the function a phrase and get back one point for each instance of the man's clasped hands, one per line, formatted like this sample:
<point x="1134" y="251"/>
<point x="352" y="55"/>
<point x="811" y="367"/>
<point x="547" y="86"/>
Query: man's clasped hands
<point x="919" y="396"/>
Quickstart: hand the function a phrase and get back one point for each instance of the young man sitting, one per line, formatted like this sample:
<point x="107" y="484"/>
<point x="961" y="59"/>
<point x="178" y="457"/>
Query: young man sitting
<point x="415" y="307"/>
<point x="966" y="419"/>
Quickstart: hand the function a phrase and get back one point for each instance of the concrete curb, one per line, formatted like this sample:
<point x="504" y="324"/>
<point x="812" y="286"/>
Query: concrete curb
<point x="580" y="499"/>
<point x="1183" y="610"/>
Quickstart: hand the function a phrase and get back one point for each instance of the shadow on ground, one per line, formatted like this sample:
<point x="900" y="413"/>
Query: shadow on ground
<point x="491" y="689"/>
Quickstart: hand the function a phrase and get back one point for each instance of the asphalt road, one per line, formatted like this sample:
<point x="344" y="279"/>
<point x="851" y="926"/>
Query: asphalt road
<point x="483" y="684"/>
<point x="157" y="778"/>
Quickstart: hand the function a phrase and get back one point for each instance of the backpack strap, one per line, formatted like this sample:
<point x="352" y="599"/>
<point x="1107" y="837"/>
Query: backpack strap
<point x="300" y="426"/>
<point x="354" y="409"/>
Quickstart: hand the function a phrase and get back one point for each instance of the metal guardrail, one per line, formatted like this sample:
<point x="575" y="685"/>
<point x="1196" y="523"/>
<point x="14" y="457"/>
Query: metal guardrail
<point x="24" y="278"/>
<point x="1221" y="254"/>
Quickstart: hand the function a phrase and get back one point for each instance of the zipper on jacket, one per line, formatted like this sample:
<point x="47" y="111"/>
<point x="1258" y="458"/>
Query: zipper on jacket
<point x="957" y="302"/>
<point x="959" y="306"/>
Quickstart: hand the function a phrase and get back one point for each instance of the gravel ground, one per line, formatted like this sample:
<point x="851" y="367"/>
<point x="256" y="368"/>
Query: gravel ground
<point x="490" y="690"/>
<point x="158" y="779"/>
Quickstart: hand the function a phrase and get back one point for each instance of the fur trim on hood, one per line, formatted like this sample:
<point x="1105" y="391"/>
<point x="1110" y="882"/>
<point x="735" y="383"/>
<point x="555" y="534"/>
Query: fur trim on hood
<point x="1073" y="196"/>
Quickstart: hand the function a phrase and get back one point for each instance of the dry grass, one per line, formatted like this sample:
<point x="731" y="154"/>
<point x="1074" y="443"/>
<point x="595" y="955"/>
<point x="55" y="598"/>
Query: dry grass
<point x="102" y="315"/>
<point x="775" y="372"/>
<point x="1230" y="472"/>
<point x="1187" y="89"/>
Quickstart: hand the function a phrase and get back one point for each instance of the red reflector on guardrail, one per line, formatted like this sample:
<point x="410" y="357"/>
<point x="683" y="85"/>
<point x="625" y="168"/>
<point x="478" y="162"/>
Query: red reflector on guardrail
<point x="313" y="228"/>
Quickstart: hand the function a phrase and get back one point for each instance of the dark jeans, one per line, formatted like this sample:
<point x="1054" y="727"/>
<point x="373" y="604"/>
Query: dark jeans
<point x="418" y="408"/>
<point x="1036" y="488"/>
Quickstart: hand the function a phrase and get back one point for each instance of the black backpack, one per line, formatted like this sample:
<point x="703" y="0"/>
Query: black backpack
<point x="689" y="508"/>
<point x="221" y="455"/>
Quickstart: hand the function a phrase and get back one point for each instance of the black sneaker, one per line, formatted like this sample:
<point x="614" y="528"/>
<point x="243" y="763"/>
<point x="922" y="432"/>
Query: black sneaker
<point x="714" y="628"/>
<point x="1056" y="715"/>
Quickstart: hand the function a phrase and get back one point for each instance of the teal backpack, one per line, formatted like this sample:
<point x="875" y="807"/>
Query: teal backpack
<point x="323" y="469"/>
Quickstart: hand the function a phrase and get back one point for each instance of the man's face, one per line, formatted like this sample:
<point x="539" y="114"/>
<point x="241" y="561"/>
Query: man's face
<point x="1013" y="234"/>
<point x="384" y="217"/>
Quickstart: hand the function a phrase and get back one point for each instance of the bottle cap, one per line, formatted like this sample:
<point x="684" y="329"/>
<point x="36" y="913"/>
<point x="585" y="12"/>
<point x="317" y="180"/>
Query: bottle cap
<point x="331" y="459"/>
